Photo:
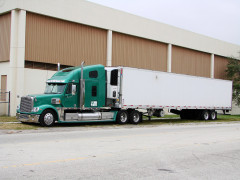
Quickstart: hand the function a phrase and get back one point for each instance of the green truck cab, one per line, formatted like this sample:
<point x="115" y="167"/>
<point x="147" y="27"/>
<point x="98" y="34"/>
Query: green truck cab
<point x="76" y="94"/>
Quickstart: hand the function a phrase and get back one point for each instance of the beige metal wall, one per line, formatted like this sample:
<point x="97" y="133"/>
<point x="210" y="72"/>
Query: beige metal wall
<point x="220" y="65"/>
<point x="5" y="31"/>
<point x="50" y="40"/>
<point x="138" y="52"/>
<point x="3" y="87"/>
<point x="191" y="62"/>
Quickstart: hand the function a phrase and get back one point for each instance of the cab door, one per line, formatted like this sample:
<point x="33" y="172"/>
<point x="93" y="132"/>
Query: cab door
<point x="70" y="96"/>
<point x="91" y="93"/>
<point x="95" y="88"/>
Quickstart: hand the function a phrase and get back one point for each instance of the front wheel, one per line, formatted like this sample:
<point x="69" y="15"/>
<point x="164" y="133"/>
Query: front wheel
<point x="47" y="118"/>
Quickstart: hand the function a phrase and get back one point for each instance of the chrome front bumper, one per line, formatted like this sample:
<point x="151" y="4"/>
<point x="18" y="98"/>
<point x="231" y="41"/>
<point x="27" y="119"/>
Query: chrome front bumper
<point x="33" y="118"/>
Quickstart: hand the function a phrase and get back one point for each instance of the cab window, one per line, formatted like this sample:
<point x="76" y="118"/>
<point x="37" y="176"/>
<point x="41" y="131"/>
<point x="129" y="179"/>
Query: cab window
<point x="69" y="89"/>
<point x="93" y="74"/>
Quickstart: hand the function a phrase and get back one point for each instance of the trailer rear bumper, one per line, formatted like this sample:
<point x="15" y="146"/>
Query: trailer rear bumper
<point x="32" y="118"/>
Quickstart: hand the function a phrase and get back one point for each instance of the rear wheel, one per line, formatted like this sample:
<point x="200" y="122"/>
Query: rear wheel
<point x="135" y="117"/>
<point x="47" y="118"/>
<point x="205" y="115"/>
<point x="122" y="117"/>
<point x="159" y="113"/>
<point x="213" y="115"/>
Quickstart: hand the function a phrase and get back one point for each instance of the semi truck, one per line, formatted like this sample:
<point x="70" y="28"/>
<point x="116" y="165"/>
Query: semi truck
<point x="96" y="93"/>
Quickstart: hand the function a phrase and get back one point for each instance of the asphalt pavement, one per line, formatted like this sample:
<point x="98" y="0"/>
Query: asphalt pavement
<point x="190" y="151"/>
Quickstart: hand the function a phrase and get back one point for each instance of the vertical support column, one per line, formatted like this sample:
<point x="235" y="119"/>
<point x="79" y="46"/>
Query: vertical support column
<point x="109" y="48"/>
<point x="17" y="57"/>
<point x="212" y="66"/>
<point x="169" y="58"/>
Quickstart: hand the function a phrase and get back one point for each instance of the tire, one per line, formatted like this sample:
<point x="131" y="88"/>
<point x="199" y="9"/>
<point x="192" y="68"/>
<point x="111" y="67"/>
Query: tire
<point x="47" y="118"/>
<point x="205" y="115"/>
<point x="213" y="115"/>
<point x="122" y="117"/>
<point x="135" y="117"/>
<point x="159" y="113"/>
<point x="162" y="113"/>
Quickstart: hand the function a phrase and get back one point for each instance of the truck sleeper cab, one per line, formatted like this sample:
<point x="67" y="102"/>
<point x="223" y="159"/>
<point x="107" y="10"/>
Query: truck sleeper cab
<point x="61" y="100"/>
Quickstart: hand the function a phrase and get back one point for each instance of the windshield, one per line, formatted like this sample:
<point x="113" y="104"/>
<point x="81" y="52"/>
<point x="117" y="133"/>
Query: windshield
<point x="53" y="88"/>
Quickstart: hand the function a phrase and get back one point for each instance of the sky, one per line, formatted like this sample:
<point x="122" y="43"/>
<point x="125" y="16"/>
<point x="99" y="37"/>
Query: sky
<point x="219" y="19"/>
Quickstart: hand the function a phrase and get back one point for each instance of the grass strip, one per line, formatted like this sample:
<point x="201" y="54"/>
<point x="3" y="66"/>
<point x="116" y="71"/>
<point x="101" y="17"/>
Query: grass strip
<point x="159" y="121"/>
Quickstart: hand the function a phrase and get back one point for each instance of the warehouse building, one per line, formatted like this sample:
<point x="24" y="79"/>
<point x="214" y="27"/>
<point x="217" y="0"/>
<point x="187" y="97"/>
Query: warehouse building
<point x="35" y="35"/>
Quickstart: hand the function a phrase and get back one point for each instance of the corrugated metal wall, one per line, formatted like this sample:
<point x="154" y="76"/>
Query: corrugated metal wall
<point x="50" y="40"/>
<point x="5" y="31"/>
<point x="220" y="65"/>
<point x="187" y="61"/>
<point x="138" y="52"/>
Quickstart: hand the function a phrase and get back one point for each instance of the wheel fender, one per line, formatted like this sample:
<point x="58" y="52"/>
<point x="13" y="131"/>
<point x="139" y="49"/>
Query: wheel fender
<point x="44" y="107"/>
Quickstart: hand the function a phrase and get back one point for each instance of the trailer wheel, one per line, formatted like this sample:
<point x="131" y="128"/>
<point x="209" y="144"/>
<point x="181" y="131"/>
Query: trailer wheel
<point x="135" y="117"/>
<point x="205" y="115"/>
<point x="122" y="117"/>
<point x="159" y="113"/>
<point x="213" y="115"/>
<point x="47" y="118"/>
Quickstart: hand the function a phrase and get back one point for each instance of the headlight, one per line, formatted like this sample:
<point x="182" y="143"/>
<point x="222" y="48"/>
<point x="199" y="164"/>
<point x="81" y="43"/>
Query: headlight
<point x="18" y="107"/>
<point x="56" y="101"/>
<point x="35" y="109"/>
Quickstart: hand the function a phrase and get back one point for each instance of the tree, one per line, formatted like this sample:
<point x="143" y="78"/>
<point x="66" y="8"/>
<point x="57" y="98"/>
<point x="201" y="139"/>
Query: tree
<point x="233" y="73"/>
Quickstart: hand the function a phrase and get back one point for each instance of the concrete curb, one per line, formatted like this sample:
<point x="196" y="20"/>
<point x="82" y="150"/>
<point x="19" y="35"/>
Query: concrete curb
<point x="10" y="122"/>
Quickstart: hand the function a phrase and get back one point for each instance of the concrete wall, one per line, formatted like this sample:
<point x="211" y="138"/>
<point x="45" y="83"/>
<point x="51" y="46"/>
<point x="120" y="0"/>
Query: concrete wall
<point x="4" y="70"/>
<point x="36" y="84"/>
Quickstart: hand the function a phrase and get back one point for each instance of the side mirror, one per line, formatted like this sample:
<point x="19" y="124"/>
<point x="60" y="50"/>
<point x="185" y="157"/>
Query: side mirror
<point x="74" y="89"/>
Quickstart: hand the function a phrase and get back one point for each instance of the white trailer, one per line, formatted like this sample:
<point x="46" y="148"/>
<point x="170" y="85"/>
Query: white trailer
<point x="189" y="96"/>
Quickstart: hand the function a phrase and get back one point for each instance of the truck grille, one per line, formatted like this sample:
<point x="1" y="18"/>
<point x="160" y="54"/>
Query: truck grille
<point x="26" y="104"/>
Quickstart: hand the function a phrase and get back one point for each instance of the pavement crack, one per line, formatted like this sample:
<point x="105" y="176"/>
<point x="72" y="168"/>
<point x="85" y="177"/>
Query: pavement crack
<point x="166" y="170"/>
<point x="196" y="157"/>
<point x="229" y="157"/>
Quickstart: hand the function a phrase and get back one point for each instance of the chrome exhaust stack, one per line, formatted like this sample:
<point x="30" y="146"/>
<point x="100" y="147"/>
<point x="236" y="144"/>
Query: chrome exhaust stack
<point x="58" y="66"/>
<point x="82" y="88"/>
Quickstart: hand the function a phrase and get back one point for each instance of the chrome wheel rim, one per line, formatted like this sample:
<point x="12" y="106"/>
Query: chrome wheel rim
<point x="48" y="119"/>
<point x="136" y="117"/>
<point x="206" y="116"/>
<point x="213" y="115"/>
<point x="123" y="117"/>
